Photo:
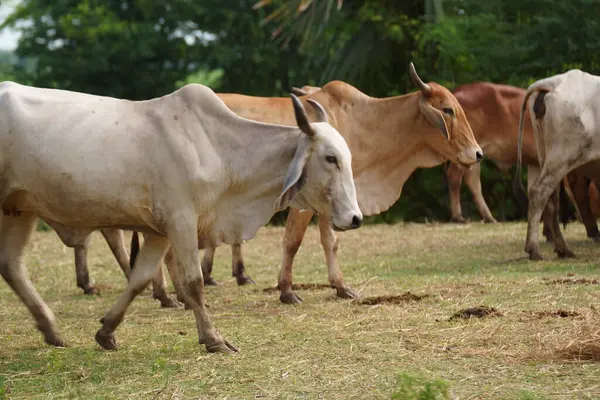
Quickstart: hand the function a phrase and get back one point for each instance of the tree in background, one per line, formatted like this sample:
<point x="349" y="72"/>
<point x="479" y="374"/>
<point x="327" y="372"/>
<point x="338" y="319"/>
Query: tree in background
<point x="127" y="48"/>
<point x="242" y="47"/>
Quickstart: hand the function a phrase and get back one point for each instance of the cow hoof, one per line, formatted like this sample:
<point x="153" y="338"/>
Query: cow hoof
<point x="170" y="303"/>
<point x="535" y="256"/>
<point x="345" y="292"/>
<point x="245" y="280"/>
<point x="108" y="342"/>
<point x="90" y="290"/>
<point x="565" y="253"/>
<point x="490" y="220"/>
<point x="221" y="347"/>
<point x="289" y="298"/>
<point x="459" y="220"/>
<point x="211" y="282"/>
<point x="54" y="340"/>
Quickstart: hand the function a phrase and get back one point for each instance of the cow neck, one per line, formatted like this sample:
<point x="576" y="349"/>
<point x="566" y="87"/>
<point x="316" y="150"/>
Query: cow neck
<point x="256" y="158"/>
<point x="387" y="131"/>
<point x="387" y="138"/>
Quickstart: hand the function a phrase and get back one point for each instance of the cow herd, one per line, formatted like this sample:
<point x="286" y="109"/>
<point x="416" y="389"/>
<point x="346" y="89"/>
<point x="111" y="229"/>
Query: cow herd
<point x="194" y="169"/>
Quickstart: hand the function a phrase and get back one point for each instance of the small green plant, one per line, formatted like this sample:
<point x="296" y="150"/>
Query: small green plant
<point x="413" y="387"/>
<point x="43" y="226"/>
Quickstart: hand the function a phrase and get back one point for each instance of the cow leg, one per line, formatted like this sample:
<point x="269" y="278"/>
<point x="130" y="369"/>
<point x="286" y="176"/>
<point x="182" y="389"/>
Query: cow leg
<point x="14" y="236"/>
<point x="81" y="267"/>
<point x="455" y="177"/>
<point x="159" y="290"/>
<point x="580" y="187"/>
<point x="297" y="223"/>
<point x="185" y="250"/>
<point x="473" y="181"/>
<point x="238" y="269"/>
<point x="539" y="193"/>
<point x="115" y="240"/>
<point x="207" y="266"/>
<point x="330" y="242"/>
<point x="560" y="245"/>
<point x="175" y="274"/>
<point x="148" y="261"/>
<point x="533" y="173"/>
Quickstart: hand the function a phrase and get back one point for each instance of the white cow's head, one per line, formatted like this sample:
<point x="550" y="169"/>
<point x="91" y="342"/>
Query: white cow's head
<point x="320" y="175"/>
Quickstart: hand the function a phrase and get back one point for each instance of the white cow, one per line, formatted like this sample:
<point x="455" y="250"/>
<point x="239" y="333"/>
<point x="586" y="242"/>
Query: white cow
<point x="565" y="113"/>
<point x="182" y="168"/>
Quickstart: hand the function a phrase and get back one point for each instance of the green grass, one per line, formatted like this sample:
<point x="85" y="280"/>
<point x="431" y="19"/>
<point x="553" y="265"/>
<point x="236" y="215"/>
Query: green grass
<point x="326" y="348"/>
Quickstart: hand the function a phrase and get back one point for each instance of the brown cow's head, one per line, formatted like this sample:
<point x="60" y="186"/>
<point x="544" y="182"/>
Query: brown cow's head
<point x="442" y="109"/>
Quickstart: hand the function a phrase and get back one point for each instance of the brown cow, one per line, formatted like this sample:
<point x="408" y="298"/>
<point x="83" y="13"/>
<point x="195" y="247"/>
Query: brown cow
<point x="389" y="139"/>
<point x="493" y="112"/>
<point x="584" y="194"/>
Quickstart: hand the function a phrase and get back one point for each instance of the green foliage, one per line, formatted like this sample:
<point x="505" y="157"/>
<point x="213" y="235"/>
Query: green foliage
<point x="211" y="78"/>
<point x="42" y="226"/>
<point x="251" y="62"/>
<point x="413" y="387"/>
<point x="133" y="49"/>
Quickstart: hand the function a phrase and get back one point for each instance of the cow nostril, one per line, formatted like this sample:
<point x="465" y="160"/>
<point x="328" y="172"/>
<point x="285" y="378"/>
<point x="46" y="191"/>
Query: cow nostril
<point x="479" y="155"/>
<point x="356" y="222"/>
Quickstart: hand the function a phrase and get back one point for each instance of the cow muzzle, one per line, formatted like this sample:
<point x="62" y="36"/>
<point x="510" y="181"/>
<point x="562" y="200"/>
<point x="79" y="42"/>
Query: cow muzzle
<point x="354" y="223"/>
<point x="470" y="156"/>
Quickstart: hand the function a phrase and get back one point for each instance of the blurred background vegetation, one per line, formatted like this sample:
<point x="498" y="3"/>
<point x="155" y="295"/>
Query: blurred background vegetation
<point x="138" y="49"/>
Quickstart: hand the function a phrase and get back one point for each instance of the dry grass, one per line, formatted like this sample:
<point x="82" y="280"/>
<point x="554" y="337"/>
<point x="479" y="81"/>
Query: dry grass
<point x="546" y="344"/>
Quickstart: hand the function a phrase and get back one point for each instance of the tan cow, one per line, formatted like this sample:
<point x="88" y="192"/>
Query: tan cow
<point x="389" y="139"/>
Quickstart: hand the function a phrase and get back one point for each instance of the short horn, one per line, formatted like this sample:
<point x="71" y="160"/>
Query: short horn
<point x="425" y="88"/>
<point x="320" y="112"/>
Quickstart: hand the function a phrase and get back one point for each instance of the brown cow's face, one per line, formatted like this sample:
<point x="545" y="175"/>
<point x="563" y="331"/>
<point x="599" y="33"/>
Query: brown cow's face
<point x="457" y="142"/>
<point x="442" y="109"/>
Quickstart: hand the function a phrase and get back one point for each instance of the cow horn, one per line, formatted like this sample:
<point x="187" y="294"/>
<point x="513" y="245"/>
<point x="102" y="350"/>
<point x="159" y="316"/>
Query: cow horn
<point x="301" y="118"/>
<point x="425" y="88"/>
<point x="298" y="91"/>
<point x="319" y="111"/>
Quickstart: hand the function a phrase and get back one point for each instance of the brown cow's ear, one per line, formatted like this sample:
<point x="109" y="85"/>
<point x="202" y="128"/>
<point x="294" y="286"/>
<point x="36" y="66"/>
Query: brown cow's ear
<point x="434" y="116"/>
<point x="301" y="117"/>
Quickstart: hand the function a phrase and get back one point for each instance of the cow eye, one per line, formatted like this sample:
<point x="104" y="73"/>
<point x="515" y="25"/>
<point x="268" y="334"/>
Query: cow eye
<point x="448" y="111"/>
<point x="331" y="160"/>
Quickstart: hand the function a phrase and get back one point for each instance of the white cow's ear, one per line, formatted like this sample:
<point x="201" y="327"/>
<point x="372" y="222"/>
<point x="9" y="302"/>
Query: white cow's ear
<point x="295" y="178"/>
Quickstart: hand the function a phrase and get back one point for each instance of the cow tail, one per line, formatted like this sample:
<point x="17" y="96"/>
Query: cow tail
<point x="135" y="249"/>
<point x="518" y="188"/>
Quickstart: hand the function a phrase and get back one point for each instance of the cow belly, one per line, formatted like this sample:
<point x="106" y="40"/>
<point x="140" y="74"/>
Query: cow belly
<point x="71" y="213"/>
<point x="591" y="170"/>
